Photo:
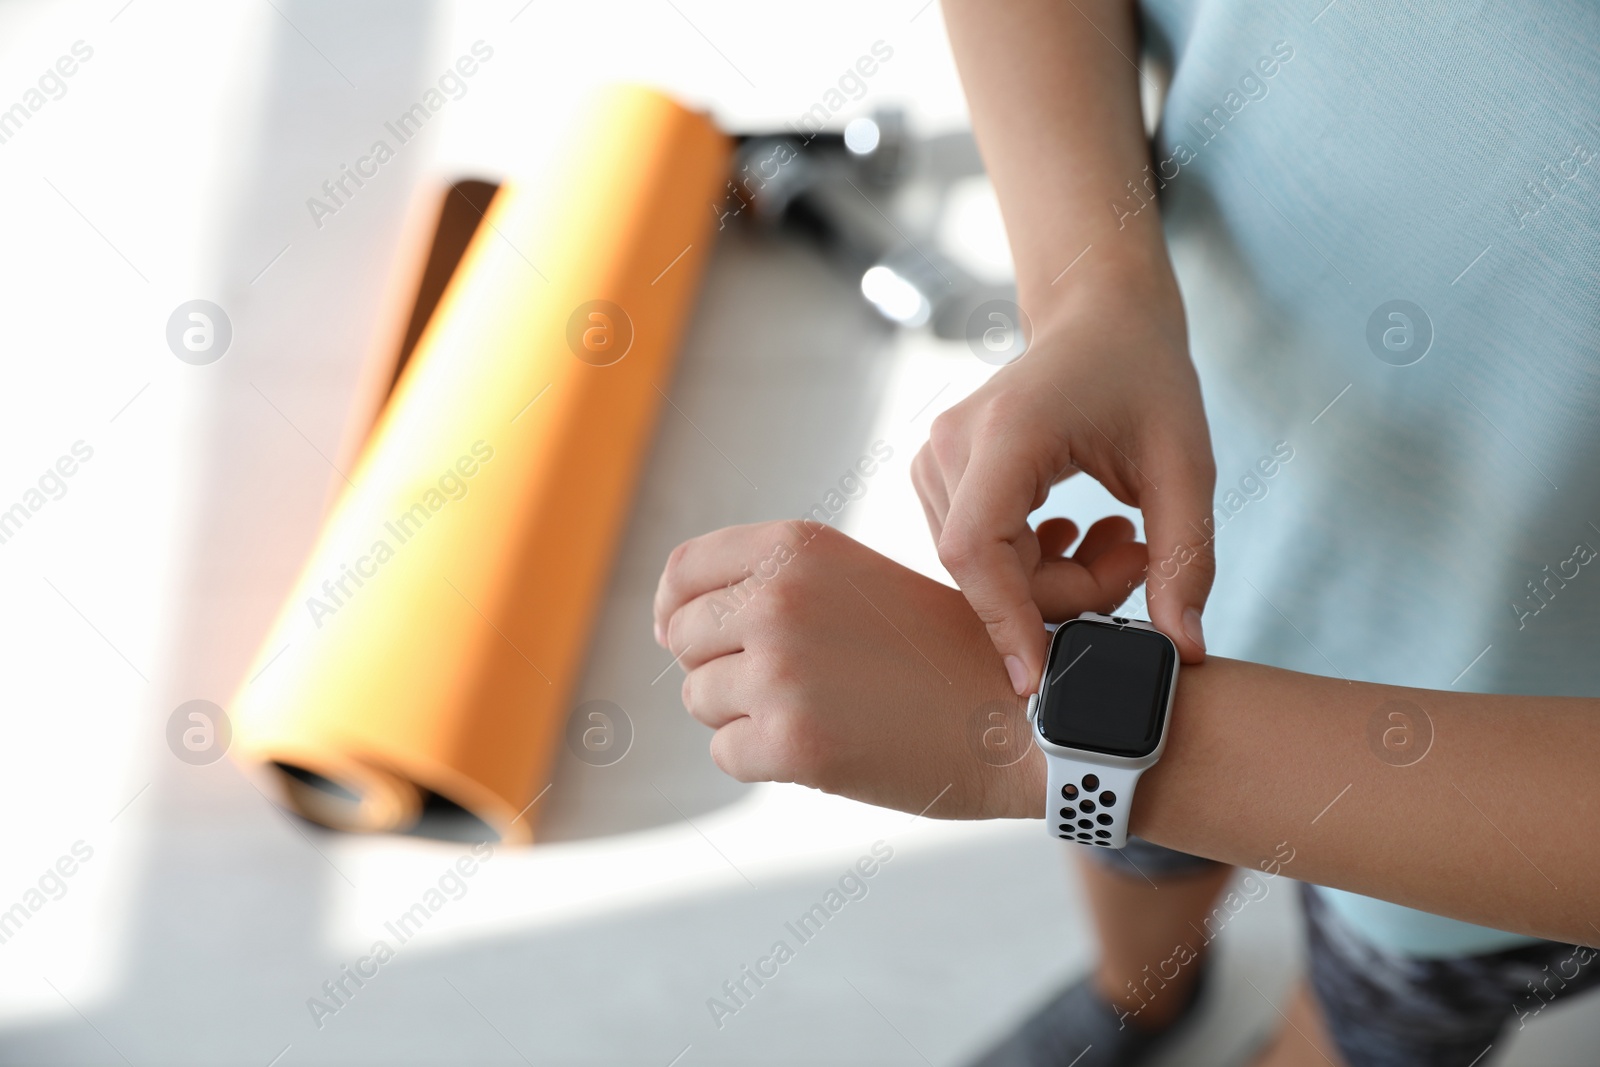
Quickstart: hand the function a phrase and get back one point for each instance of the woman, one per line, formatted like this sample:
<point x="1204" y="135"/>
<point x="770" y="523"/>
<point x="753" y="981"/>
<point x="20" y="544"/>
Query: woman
<point x="1376" y="235"/>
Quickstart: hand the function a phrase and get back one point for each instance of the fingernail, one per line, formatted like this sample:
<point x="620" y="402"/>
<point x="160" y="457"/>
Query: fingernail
<point x="1191" y="628"/>
<point x="1019" y="675"/>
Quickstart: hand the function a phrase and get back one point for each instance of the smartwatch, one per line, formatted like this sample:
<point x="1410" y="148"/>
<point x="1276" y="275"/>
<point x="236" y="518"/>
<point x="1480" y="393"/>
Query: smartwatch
<point x="1100" y="716"/>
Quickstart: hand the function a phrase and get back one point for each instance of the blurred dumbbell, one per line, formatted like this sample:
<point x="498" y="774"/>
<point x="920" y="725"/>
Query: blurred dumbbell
<point x="836" y="189"/>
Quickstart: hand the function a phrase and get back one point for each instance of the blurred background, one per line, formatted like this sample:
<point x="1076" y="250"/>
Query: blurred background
<point x="175" y="165"/>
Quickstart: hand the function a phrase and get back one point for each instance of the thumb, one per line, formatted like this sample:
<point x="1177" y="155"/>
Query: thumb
<point x="1181" y="534"/>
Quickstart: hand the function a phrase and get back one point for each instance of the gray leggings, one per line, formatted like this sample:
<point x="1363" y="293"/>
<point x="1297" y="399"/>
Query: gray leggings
<point x="1384" y="1009"/>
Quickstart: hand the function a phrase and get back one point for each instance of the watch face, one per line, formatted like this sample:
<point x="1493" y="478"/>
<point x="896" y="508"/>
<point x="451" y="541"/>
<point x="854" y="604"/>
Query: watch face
<point x="1106" y="687"/>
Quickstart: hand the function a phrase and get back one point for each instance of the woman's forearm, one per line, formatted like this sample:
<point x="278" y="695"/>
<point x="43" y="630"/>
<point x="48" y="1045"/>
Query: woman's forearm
<point x="1055" y="107"/>
<point x="815" y="660"/>
<point x="1478" y="807"/>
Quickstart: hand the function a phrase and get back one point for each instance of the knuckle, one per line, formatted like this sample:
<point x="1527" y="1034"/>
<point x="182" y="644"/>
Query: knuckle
<point x="808" y="559"/>
<point x="784" y="673"/>
<point x="792" y="736"/>
<point x="791" y="596"/>
<point x="725" y="754"/>
<point x="675" y="564"/>
<point x="776" y="672"/>
<point x="958" y="549"/>
<point x="995" y="619"/>
<point x="784" y="680"/>
<point x="1204" y="565"/>
<point x="763" y="623"/>
<point x="1007" y="407"/>
<point x="1188" y="563"/>
<point x="947" y="434"/>
<point x="773" y="604"/>
<point x="772" y="531"/>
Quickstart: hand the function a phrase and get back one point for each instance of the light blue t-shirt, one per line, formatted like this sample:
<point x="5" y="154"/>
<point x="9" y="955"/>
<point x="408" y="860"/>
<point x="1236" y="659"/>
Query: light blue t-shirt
<point x="1386" y="225"/>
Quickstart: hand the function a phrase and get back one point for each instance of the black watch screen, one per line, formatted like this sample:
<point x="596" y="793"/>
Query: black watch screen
<point x="1106" y="688"/>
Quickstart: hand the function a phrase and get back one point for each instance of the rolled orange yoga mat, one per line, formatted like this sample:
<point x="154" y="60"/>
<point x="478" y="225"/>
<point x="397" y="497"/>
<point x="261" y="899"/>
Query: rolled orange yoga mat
<point x="433" y="641"/>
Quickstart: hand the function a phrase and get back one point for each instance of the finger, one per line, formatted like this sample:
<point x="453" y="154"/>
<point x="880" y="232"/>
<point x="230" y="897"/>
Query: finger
<point x="711" y="624"/>
<point x="944" y="464"/>
<point x="1178" y="528"/>
<point x="1063" y="588"/>
<point x="988" y="517"/>
<point x="950" y="443"/>
<point x="1109" y="532"/>
<point x="718" y="560"/>
<point x="743" y="753"/>
<point x="717" y="692"/>
<point x="931" y="489"/>
<point x="1055" y="537"/>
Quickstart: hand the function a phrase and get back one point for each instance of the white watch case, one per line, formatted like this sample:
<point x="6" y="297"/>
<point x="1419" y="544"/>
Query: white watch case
<point x="1117" y="776"/>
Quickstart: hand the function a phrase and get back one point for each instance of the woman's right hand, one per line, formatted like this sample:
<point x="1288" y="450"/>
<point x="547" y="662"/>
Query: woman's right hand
<point x="1105" y="387"/>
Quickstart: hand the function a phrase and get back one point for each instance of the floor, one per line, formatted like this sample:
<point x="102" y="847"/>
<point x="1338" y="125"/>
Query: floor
<point x="176" y="164"/>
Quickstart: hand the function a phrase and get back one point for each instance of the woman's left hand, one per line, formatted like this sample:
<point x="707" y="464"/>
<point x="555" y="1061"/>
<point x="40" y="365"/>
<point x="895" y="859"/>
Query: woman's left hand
<point x="819" y="661"/>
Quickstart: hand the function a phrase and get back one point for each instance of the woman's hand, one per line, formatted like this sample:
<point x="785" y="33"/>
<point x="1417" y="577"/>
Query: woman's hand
<point x="818" y="661"/>
<point x="1105" y="387"/>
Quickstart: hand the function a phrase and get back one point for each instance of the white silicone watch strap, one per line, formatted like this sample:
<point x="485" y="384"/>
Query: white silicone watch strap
<point x="1088" y="803"/>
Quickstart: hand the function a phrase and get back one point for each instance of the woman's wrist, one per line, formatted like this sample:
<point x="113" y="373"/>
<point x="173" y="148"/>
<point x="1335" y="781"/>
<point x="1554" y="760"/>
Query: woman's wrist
<point x="1160" y="788"/>
<point x="1222" y="788"/>
<point x="1124" y="274"/>
<point x="1027" y="781"/>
